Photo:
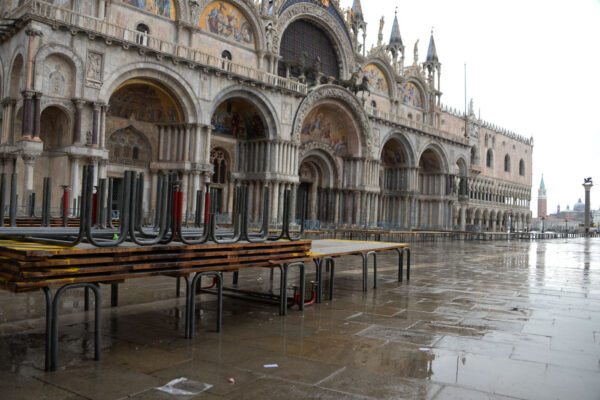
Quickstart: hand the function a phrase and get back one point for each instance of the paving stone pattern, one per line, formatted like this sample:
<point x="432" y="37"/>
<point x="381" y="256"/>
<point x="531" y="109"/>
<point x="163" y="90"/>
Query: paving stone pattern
<point x="478" y="320"/>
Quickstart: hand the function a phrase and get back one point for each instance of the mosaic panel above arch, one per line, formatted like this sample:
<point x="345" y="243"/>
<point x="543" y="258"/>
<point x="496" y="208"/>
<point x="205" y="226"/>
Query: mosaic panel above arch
<point x="377" y="81"/>
<point x="327" y="126"/>
<point x="238" y="118"/>
<point x="145" y="101"/>
<point x="393" y="153"/>
<point x="129" y="146"/>
<point x="226" y="20"/>
<point x="163" y="8"/>
<point x="412" y="95"/>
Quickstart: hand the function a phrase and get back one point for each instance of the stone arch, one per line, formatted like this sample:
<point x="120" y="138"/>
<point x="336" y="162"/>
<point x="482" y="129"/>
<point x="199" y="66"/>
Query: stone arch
<point x="319" y="176"/>
<point x="421" y="87"/>
<point x="324" y="162"/>
<point x="56" y="126"/>
<point x="489" y="159"/>
<point x="409" y="152"/>
<point x="335" y="164"/>
<point x="475" y="156"/>
<point x="384" y="66"/>
<point x="461" y="165"/>
<point x="249" y="11"/>
<point x="257" y="99"/>
<point x="348" y="102"/>
<point x="321" y="18"/>
<point x="220" y="159"/>
<point x="76" y="63"/>
<point x="172" y="80"/>
<point x="507" y="165"/>
<point x="15" y="77"/>
<point x="440" y="154"/>
<point x="521" y="167"/>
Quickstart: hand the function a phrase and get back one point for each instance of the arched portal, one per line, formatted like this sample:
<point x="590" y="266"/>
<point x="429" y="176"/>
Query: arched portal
<point x="145" y="122"/>
<point x="221" y="162"/>
<point x="241" y="127"/>
<point x="434" y="212"/>
<point x="461" y="186"/>
<point x="318" y="175"/>
<point x="54" y="128"/>
<point x="395" y="177"/>
<point x="15" y="85"/>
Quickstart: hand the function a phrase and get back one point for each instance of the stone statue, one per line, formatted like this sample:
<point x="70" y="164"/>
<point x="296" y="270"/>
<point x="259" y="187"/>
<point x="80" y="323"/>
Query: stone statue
<point x="416" y="51"/>
<point x="269" y="32"/>
<point x="380" y="36"/>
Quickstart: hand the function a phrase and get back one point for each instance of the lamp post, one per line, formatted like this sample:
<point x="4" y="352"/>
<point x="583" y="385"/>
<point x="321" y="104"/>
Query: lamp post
<point x="543" y="219"/>
<point x="566" y="226"/>
<point x="587" y="185"/>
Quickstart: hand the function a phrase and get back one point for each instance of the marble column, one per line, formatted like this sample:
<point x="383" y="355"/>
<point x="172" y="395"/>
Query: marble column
<point x="75" y="181"/>
<point x="36" y="116"/>
<point x="153" y="190"/>
<point x="95" y="124"/>
<point x="77" y="139"/>
<point x="8" y="106"/>
<point x="313" y="201"/>
<point x="103" y="109"/>
<point x="275" y="201"/>
<point x="184" y="190"/>
<point x="29" y="164"/>
<point x="27" y="117"/>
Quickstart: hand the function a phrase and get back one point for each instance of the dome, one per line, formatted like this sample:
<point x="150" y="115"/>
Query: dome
<point x="579" y="206"/>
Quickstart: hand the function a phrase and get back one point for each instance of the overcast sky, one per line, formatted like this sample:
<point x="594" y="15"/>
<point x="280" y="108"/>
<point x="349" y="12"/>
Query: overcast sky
<point x="533" y="67"/>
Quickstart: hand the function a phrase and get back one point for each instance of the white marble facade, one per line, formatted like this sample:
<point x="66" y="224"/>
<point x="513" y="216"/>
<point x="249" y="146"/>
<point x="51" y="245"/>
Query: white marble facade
<point x="204" y="88"/>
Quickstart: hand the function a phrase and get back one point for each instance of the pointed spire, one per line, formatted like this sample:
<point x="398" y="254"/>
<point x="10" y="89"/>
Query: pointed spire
<point x="395" y="36"/>
<point x="542" y="185"/>
<point x="357" y="10"/>
<point x="431" y="52"/>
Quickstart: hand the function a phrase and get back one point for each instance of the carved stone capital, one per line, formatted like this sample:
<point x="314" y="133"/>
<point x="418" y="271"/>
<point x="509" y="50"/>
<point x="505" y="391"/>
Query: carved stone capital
<point x="33" y="32"/>
<point x="79" y="103"/>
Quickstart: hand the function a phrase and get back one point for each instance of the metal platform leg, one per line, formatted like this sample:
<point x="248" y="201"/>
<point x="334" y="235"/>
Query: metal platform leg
<point x="331" y="276"/>
<point x="283" y="290"/>
<point x="400" y="263"/>
<point x="407" y="263"/>
<point x="48" y="296"/>
<point x="114" y="295"/>
<point x="52" y="334"/>
<point x="319" y="266"/>
<point x="191" y="306"/>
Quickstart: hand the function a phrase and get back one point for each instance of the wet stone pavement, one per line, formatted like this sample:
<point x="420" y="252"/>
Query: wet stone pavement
<point x="478" y="320"/>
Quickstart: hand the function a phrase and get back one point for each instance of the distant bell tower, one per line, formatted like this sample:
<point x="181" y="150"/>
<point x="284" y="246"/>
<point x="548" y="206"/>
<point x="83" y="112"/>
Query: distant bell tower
<point x="542" y="201"/>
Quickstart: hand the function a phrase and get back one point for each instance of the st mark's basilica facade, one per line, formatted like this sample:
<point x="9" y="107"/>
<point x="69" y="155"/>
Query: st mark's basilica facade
<point x="261" y="93"/>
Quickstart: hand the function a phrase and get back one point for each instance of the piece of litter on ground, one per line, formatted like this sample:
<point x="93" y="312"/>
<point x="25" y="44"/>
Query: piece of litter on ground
<point x="184" y="387"/>
<point x="424" y="349"/>
<point x="271" y="365"/>
<point x="231" y="380"/>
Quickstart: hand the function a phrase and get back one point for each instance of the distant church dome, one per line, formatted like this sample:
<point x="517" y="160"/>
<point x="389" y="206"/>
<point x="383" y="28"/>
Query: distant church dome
<point x="579" y="206"/>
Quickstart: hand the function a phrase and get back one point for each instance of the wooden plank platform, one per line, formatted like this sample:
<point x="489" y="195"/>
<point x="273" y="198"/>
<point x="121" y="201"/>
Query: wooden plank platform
<point x="28" y="266"/>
